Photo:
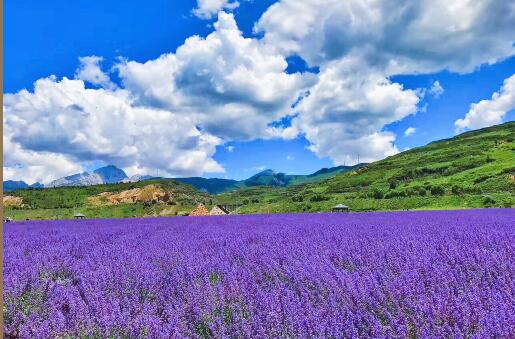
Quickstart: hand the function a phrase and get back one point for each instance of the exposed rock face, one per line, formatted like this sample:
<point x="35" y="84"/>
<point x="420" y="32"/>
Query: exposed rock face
<point x="12" y="201"/>
<point x="149" y="193"/>
<point x="105" y="175"/>
<point x="138" y="177"/>
<point x="200" y="210"/>
<point x="80" y="179"/>
<point x="216" y="210"/>
<point x="111" y="174"/>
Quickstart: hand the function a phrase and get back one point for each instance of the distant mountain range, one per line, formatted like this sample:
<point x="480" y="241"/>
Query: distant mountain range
<point x="265" y="178"/>
<point x="112" y="174"/>
<point x="11" y="185"/>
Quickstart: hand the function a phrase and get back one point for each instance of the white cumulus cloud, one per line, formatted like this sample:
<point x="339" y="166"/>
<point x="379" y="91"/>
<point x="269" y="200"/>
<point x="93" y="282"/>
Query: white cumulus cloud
<point x="358" y="45"/>
<point x="399" y="36"/>
<point x="169" y="114"/>
<point x="490" y="112"/>
<point x="234" y="86"/>
<point x="66" y="120"/>
<point x="206" y="9"/>
<point x="409" y="131"/>
<point x="90" y="71"/>
<point x="436" y="89"/>
<point x="346" y="110"/>
<point x="33" y="166"/>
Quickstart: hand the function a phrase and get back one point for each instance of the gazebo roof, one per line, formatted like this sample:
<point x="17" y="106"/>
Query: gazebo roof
<point x="341" y="206"/>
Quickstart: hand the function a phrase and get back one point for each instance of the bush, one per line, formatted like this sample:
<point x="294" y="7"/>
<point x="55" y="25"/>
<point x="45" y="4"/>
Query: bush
<point x="297" y="198"/>
<point x="488" y="201"/>
<point x="457" y="190"/>
<point x="393" y="184"/>
<point x="378" y="194"/>
<point x="394" y="194"/>
<point x="422" y="191"/>
<point x="437" y="190"/>
<point x="410" y="191"/>
<point x="318" y="197"/>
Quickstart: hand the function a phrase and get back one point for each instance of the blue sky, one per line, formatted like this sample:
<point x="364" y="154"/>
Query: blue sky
<point x="329" y="128"/>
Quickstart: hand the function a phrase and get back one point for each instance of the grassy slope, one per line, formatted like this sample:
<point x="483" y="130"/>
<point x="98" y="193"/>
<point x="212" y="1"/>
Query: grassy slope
<point x="474" y="169"/>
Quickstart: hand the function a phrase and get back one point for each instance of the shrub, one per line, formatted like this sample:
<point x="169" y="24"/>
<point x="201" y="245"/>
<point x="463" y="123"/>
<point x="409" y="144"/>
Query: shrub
<point x="297" y="198"/>
<point x="488" y="201"/>
<point x="393" y="194"/>
<point x="418" y="190"/>
<point x="318" y="197"/>
<point x="393" y="184"/>
<point x="378" y="194"/>
<point x="437" y="190"/>
<point x="410" y="191"/>
<point x="457" y="190"/>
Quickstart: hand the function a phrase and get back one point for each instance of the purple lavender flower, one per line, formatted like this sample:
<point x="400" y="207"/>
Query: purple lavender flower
<point x="385" y="274"/>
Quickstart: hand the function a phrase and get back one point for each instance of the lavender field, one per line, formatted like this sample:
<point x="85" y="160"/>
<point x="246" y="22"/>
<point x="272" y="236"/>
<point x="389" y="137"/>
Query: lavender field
<point x="388" y="274"/>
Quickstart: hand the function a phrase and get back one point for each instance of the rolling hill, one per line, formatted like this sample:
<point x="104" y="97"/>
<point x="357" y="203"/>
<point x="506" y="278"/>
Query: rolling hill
<point x="473" y="169"/>
<point x="145" y="198"/>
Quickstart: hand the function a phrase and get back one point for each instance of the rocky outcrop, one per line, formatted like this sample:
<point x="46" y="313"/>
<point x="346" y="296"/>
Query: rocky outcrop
<point x="104" y="175"/>
<point x="12" y="201"/>
<point x="147" y="194"/>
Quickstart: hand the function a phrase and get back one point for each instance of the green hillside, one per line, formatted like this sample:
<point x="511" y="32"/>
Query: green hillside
<point x="472" y="170"/>
<point x="64" y="202"/>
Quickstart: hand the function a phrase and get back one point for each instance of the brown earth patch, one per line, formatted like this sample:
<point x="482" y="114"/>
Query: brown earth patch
<point x="147" y="194"/>
<point x="200" y="210"/>
<point x="12" y="201"/>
